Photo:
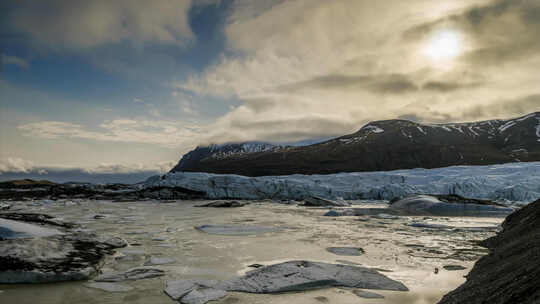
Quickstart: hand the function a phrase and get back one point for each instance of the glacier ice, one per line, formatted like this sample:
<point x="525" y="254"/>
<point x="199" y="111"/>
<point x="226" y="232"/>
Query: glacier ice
<point x="516" y="182"/>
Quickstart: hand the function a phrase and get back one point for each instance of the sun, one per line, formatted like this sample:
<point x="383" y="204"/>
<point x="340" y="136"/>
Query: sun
<point x="444" y="45"/>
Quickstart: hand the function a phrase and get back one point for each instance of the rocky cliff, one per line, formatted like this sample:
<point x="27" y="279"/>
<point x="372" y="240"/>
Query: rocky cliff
<point x="510" y="273"/>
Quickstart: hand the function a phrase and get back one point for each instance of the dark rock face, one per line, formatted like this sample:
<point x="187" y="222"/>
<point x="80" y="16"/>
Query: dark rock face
<point x="510" y="272"/>
<point x="192" y="158"/>
<point x="381" y="146"/>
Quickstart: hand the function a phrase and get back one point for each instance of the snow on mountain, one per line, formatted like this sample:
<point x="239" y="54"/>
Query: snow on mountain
<point x="518" y="182"/>
<point x="538" y="129"/>
<point x="224" y="150"/>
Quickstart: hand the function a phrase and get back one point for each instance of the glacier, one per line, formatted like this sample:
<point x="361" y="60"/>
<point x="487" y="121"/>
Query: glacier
<point x="512" y="182"/>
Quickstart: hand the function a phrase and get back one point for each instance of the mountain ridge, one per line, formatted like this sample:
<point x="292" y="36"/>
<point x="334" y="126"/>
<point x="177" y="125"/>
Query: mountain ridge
<point x="379" y="146"/>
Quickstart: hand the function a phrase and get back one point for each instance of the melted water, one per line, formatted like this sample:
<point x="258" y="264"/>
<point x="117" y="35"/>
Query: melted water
<point x="154" y="229"/>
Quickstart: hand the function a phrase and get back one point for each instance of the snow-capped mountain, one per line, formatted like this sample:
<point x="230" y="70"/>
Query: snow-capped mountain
<point x="221" y="151"/>
<point x="379" y="146"/>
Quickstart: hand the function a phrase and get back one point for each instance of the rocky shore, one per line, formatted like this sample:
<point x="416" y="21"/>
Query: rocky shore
<point x="510" y="272"/>
<point x="30" y="189"/>
<point x="37" y="248"/>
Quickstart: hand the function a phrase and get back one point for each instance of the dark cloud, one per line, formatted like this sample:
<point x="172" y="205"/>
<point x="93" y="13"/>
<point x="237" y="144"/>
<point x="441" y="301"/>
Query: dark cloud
<point x="259" y="105"/>
<point x="321" y="125"/>
<point x="502" y="109"/>
<point x="283" y="130"/>
<point x="443" y="87"/>
<point x="65" y="24"/>
<point x="411" y="116"/>
<point x="381" y="84"/>
<point x="505" y="108"/>
<point x="429" y="116"/>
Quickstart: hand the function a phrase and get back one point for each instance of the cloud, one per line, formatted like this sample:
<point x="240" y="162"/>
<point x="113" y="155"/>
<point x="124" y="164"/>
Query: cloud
<point x="304" y="68"/>
<point x="16" y="164"/>
<point x="13" y="60"/>
<point x="17" y="168"/>
<point x="154" y="132"/>
<point x="495" y="109"/>
<point x="327" y="67"/>
<point x="504" y="108"/>
<point x="68" y="24"/>
<point x="384" y="84"/>
<point x="105" y="168"/>
<point x="19" y="165"/>
<point x="443" y="87"/>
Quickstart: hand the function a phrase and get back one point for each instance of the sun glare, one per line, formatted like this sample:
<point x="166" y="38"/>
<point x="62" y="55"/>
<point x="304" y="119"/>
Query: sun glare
<point x="443" y="45"/>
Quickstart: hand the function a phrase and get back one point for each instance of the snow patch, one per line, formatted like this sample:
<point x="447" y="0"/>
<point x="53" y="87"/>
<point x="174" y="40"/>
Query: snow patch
<point x="538" y="128"/>
<point x="421" y="130"/>
<point x="373" y="129"/>
<point x="506" y="126"/>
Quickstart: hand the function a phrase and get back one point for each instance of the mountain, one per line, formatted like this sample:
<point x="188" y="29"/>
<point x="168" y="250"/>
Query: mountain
<point x="216" y="152"/>
<point x="379" y="146"/>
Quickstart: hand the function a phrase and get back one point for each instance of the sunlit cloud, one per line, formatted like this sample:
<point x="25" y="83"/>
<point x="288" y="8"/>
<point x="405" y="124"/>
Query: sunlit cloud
<point x="16" y="164"/>
<point x="153" y="132"/>
<point x="363" y="62"/>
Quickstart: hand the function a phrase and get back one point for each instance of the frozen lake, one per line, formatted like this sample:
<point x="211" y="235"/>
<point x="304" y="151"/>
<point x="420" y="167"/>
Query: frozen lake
<point x="415" y="256"/>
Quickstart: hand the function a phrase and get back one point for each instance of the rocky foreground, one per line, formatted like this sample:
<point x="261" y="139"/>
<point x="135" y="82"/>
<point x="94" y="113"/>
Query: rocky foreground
<point x="38" y="248"/>
<point x="31" y="189"/>
<point x="510" y="273"/>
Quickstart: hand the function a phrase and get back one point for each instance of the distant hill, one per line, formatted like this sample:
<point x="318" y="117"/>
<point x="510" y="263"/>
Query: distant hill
<point x="25" y="183"/>
<point x="379" y="146"/>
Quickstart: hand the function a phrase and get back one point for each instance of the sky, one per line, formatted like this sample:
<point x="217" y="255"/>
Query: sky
<point x="126" y="86"/>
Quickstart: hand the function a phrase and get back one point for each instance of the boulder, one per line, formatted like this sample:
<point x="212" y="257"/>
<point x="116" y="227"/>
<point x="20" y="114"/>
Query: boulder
<point x="197" y="291"/>
<point x="131" y="275"/>
<point x="349" y="251"/>
<point x="306" y="275"/>
<point x="316" y="201"/>
<point x="453" y="267"/>
<point x="283" y="277"/>
<point x="432" y="205"/>
<point x="223" y="204"/>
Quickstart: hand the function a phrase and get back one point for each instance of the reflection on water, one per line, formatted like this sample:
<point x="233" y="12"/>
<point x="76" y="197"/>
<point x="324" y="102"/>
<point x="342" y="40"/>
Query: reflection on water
<point x="407" y="254"/>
